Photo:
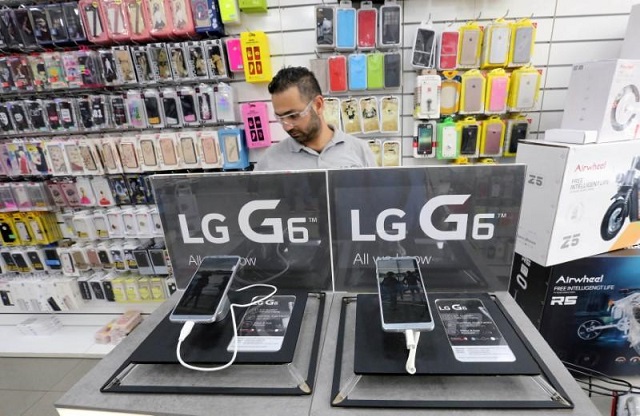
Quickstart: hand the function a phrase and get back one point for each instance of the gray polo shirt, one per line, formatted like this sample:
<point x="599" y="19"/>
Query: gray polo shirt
<point x="343" y="151"/>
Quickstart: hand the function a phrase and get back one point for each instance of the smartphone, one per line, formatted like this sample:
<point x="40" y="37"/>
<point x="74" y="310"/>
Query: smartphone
<point x="205" y="298"/>
<point x="403" y="298"/>
<point x="425" y="139"/>
<point x="469" y="140"/>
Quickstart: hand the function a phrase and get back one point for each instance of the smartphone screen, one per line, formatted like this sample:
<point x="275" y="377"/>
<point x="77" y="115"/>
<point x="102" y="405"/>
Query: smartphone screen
<point x="472" y="332"/>
<point x="206" y="293"/>
<point x="425" y="137"/>
<point x="403" y="298"/>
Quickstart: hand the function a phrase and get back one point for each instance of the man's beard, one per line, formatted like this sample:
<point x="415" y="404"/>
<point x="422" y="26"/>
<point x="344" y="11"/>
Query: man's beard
<point x="311" y="133"/>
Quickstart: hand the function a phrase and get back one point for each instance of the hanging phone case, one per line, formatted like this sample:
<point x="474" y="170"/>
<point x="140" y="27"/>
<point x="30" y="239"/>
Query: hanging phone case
<point x="357" y="71"/>
<point x="197" y="64"/>
<point x="93" y="20"/>
<point x="115" y="12"/>
<point x="210" y="157"/>
<point x="188" y="105"/>
<point x="68" y="114"/>
<point x="136" y="110"/>
<point x="109" y="155"/>
<point x="350" y="110"/>
<point x="229" y="11"/>
<point x="124" y="65"/>
<point x="74" y="26"/>
<point x="233" y="149"/>
<point x="392" y="70"/>
<point x="85" y="111"/>
<point x="171" y="107"/>
<point x="19" y="116"/>
<point x="160" y="24"/>
<point x="167" y="151"/>
<point x="331" y="112"/>
<point x="109" y="68"/>
<point x="367" y="26"/>
<point x="447" y="143"/>
<point x="523" y="38"/>
<point x="118" y="106"/>
<point x="38" y="71"/>
<point x="256" y="124"/>
<point x="153" y="108"/>
<point x="375" y="71"/>
<point x="216" y="58"/>
<point x="142" y="65"/>
<point x="492" y="137"/>
<point x="181" y="17"/>
<point x="25" y="29"/>
<point x="469" y="137"/>
<point x="449" y="97"/>
<point x="472" y="93"/>
<point x="424" y="48"/>
<point x="6" y="78"/>
<point x="470" y="44"/>
<point x="206" y="104"/>
<point x="234" y="54"/>
<point x="159" y="61"/>
<point x="390" y="25"/>
<point x="201" y="11"/>
<point x="54" y="69"/>
<point x="91" y="160"/>
<point x="319" y="67"/>
<point x="516" y="131"/>
<point x="325" y="26"/>
<point x="225" y="103"/>
<point x="427" y="97"/>
<point x="37" y="115"/>
<point x="448" y="49"/>
<point x="370" y="116"/>
<point x="138" y="15"/>
<point x="345" y="27"/>
<point x="147" y="154"/>
<point x="337" y="73"/>
<point x="90" y="70"/>
<point x="391" y="153"/>
<point x="187" y="150"/>
<point x="497" y="92"/>
<point x="6" y="123"/>
<point x="389" y="115"/>
<point x="40" y="25"/>
<point x="496" y="44"/>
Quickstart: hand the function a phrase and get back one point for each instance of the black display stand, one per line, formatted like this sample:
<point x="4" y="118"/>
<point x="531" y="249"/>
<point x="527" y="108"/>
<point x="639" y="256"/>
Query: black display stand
<point x="379" y="360"/>
<point x="207" y="346"/>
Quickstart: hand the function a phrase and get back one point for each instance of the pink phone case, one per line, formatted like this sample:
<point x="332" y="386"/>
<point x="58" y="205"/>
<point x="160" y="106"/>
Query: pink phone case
<point x="118" y="19"/>
<point x="492" y="139"/>
<point x="182" y="17"/>
<point x="256" y="124"/>
<point x="498" y="98"/>
<point x="95" y="24"/>
<point x="234" y="55"/>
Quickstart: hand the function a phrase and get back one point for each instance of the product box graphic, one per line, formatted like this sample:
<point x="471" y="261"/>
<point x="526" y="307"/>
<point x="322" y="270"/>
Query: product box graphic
<point x="604" y="96"/>
<point x="588" y="310"/>
<point x="579" y="200"/>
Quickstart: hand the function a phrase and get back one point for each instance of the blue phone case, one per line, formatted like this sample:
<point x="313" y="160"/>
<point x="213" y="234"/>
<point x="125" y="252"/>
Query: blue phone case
<point x="346" y="28"/>
<point x="357" y="71"/>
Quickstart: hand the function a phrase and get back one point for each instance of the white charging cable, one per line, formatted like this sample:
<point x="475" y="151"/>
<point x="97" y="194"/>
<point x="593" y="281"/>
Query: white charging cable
<point x="412" y="337"/>
<point x="188" y="326"/>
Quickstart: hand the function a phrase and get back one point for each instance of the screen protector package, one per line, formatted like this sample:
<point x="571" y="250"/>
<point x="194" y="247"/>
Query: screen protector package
<point x="472" y="332"/>
<point x="263" y="326"/>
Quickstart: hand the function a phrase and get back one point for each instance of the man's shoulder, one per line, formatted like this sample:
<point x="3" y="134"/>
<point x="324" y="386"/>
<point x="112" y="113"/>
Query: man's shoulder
<point x="274" y="154"/>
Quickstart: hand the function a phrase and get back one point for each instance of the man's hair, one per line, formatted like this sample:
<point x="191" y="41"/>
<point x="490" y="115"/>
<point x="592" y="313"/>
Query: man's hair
<point x="296" y="76"/>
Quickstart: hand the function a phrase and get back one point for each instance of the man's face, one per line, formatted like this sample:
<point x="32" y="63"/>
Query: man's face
<point x="300" y="118"/>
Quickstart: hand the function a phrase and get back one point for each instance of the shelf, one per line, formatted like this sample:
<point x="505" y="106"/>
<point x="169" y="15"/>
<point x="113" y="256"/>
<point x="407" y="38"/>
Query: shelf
<point x="94" y="307"/>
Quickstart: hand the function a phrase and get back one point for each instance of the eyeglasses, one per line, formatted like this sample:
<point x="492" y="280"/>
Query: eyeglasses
<point x="293" y="118"/>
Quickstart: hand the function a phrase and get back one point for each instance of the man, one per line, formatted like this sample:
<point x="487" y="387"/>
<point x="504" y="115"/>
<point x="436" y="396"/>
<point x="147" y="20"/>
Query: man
<point x="312" y="143"/>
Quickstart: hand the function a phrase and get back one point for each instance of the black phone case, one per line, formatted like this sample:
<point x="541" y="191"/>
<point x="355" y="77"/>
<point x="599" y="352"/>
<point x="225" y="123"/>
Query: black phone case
<point x="19" y="117"/>
<point x="6" y="125"/>
<point x="518" y="133"/>
<point x="51" y="109"/>
<point x="66" y="107"/>
<point x="392" y="71"/>
<point x="36" y="114"/>
<point x="75" y="29"/>
<point x="469" y="140"/>
<point x="119" y="111"/>
<point x="170" y="106"/>
<point x="98" y="111"/>
<point x="84" y="106"/>
<point x="57" y="24"/>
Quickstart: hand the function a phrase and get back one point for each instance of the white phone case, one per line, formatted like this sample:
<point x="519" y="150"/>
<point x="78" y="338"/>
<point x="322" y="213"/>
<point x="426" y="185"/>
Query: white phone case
<point x="499" y="46"/>
<point x="526" y="98"/>
<point x="449" y="142"/>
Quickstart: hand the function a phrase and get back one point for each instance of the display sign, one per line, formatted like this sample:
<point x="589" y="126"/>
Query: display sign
<point x="459" y="221"/>
<point x="277" y="223"/>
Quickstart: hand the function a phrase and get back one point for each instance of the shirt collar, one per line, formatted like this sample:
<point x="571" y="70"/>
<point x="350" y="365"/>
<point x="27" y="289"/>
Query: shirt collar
<point x="338" y="137"/>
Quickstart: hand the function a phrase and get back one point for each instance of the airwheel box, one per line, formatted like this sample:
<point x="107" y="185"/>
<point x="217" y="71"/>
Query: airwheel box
<point x="586" y="309"/>
<point x="604" y="96"/>
<point x="579" y="200"/>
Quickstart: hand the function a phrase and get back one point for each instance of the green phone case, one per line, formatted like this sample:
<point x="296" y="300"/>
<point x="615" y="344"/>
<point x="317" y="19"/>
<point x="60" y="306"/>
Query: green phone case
<point x="447" y="150"/>
<point x="253" y="6"/>
<point x="375" y="71"/>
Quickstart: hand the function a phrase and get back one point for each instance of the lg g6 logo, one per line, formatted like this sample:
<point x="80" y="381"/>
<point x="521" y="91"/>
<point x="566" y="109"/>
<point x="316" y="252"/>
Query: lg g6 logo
<point x="296" y="233"/>
<point x="480" y="229"/>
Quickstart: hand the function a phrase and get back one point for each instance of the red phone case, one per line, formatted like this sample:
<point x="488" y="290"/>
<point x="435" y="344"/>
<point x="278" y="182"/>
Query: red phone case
<point x="367" y="28"/>
<point x="337" y="73"/>
<point x="449" y="50"/>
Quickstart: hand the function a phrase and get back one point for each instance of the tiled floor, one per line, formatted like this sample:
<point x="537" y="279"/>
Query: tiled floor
<point x="31" y="386"/>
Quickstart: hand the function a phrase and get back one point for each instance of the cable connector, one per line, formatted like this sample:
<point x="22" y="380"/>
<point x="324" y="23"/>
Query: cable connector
<point x="412" y="338"/>
<point x="186" y="330"/>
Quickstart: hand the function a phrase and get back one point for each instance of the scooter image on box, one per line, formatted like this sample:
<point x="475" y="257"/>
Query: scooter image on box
<point x="625" y="202"/>
<point x="624" y="316"/>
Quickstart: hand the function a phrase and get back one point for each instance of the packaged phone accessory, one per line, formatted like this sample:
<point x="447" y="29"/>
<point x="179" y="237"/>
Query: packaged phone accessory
<point x="75" y="28"/>
<point x="469" y="129"/>
<point x="256" y="124"/>
<point x="234" y="54"/>
<point x="102" y="192"/>
<point x="167" y="150"/>
<point x="181" y="17"/>
<point x="392" y="70"/>
<point x="171" y="107"/>
<point x="350" y="110"/>
<point x="188" y="105"/>
<point x="523" y="88"/>
<point x="128" y="155"/>
<point x="497" y="92"/>
<point x="346" y="24"/>
<point x="424" y="139"/>
<point x="391" y="153"/>
<point x="197" y="63"/>
<point x="233" y="148"/>
<point x="93" y="19"/>
<point x="216" y="58"/>
<point x="390" y="30"/>
<point x="229" y="11"/>
<point x="447" y="51"/>
<point x="226" y="104"/>
<point x="209" y="148"/>
<point x="142" y="65"/>
<point x="136" y="110"/>
<point x="427" y="97"/>
<point x="492" y="137"/>
<point x="367" y="24"/>
<point x="256" y="56"/>
<point x="325" y="26"/>
<point x="116" y="14"/>
<point x="178" y="60"/>
<point x="138" y="15"/>
<point x="375" y="71"/>
<point x="497" y="40"/>
<point x="160" y="62"/>
<point x="523" y="38"/>
<point x="424" y="47"/>
<point x="447" y="140"/>
<point x="331" y="112"/>
<point x="470" y="45"/>
<point x="153" y="108"/>
<point x="370" y="115"/>
<point x="357" y="71"/>
<point x="389" y="115"/>
<point x="337" y="73"/>
<point x="473" y="87"/>
<point x="160" y="23"/>
<point x="516" y="131"/>
<point x="187" y="149"/>
<point x="124" y="65"/>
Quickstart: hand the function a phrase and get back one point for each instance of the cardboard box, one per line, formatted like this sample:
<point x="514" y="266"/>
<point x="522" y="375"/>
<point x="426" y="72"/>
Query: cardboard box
<point x="571" y="136"/>
<point x="579" y="200"/>
<point x="604" y="96"/>
<point x="585" y="309"/>
<point x="630" y="48"/>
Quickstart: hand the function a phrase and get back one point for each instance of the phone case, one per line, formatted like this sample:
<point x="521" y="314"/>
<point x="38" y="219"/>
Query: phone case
<point x="209" y="148"/>
<point x="189" y="110"/>
<point x="516" y="131"/>
<point x="138" y="189"/>
<point x="84" y="113"/>
<point x="38" y="70"/>
<point x="522" y="45"/>
<point x="118" y="106"/>
<point x="136" y="110"/>
<point x="117" y="20"/>
<point x="319" y="68"/>
<point x="470" y="41"/>
<point x="124" y="65"/>
<point x="331" y="112"/>
<point x="469" y="140"/>
<point x="527" y="91"/>
<point x="160" y="24"/>
<point x="171" y="107"/>
<point x="427" y="97"/>
<point x="153" y="108"/>
<point x="493" y="138"/>
<point x="6" y="77"/>
<point x="53" y="66"/>
<point x="346" y="27"/>
<point x="256" y="124"/>
<point x="109" y="156"/>
<point x="178" y="61"/>
<point x="68" y="114"/>
<point x="230" y="146"/>
<point x="138" y="15"/>
<point x="350" y="116"/>
<point x="74" y="157"/>
<point x="390" y="26"/>
<point x="122" y="196"/>
<point x="448" y="50"/>
<point x="21" y="73"/>
<point x="234" y="54"/>
<point x="127" y="150"/>
<point x="325" y="26"/>
<point x="375" y="71"/>
<point x="392" y="70"/>
<point x="216" y="59"/>
<point x="142" y="65"/>
<point x="206" y="104"/>
<point x="37" y="115"/>
<point x="367" y="26"/>
<point x="100" y="112"/>
<point x="181" y="17"/>
<point x="102" y="191"/>
<point x="75" y="28"/>
<point x="187" y="150"/>
<point x="225" y="103"/>
<point x="447" y="141"/>
<point x="370" y="116"/>
<point x="391" y="153"/>
<point x="197" y="61"/>
<point x="357" y="71"/>
<point x="389" y="115"/>
<point x="109" y="69"/>
<point x="167" y="151"/>
<point x="90" y="160"/>
<point x="6" y="123"/>
<point x="472" y="95"/>
<point x="19" y="116"/>
<point x="55" y="150"/>
<point x="70" y="193"/>
<point x="498" y="48"/>
<point x="147" y="152"/>
<point x="497" y="95"/>
<point x="25" y="29"/>
<point x="93" y="20"/>
<point x="229" y="11"/>
<point x="424" y="48"/>
<point x="87" y="198"/>
<point x="337" y="73"/>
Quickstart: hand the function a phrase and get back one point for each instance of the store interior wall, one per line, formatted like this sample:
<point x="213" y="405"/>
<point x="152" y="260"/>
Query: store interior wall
<point x="568" y="32"/>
